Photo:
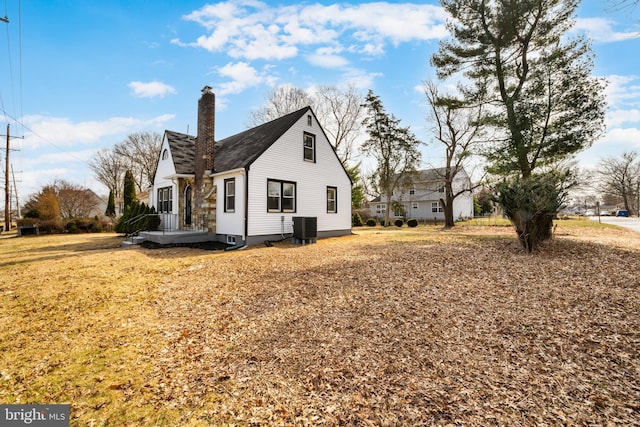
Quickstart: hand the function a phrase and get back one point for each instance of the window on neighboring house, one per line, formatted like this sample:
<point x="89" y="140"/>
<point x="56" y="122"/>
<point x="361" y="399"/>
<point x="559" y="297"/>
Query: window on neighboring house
<point x="165" y="154"/>
<point x="436" y="207"/>
<point x="414" y="205"/>
<point x="165" y="200"/>
<point x="412" y="190"/>
<point x="332" y="203"/>
<point x="281" y="196"/>
<point x="309" y="147"/>
<point x="309" y="122"/>
<point x="230" y="195"/>
<point x="441" y="188"/>
<point x="381" y="208"/>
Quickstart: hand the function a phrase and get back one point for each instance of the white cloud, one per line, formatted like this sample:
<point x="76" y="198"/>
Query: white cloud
<point x="326" y="59"/>
<point x="623" y="91"/>
<point x="242" y="76"/>
<point x="62" y="132"/>
<point x="602" y="30"/>
<point x="616" y="118"/>
<point x="615" y="142"/>
<point x="252" y="30"/>
<point x="151" y="89"/>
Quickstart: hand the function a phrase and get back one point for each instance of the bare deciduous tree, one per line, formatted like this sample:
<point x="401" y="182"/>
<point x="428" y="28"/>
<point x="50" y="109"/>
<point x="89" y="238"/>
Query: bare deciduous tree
<point x="141" y="151"/>
<point x="341" y="113"/>
<point x="138" y="152"/>
<point x="456" y="125"/>
<point x="109" y="168"/>
<point x="282" y="100"/>
<point x="75" y="201"/>
<point x="621" y="177"/>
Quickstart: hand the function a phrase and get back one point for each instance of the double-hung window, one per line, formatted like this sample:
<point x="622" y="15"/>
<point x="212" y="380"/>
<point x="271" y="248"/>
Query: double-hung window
<point x="309" y="144"/>
<point x="281" y="196"/>
<point x="332" y="202"/>
<point x="165" y="200"/>
<point x="436" y="207"/>
<point x="230" y="195"/>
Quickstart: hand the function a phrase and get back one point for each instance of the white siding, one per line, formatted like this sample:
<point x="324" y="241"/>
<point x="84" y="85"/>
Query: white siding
<point x="284" y="161"/>
<point x="230" y="223"/>
<point x="165" y="168"/>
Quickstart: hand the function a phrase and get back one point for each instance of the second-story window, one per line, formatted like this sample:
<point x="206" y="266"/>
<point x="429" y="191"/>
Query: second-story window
<point x="309" y="147"/>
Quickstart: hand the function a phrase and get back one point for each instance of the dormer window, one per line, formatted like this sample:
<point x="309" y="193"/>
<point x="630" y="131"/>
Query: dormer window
<point x="165" y="154"/>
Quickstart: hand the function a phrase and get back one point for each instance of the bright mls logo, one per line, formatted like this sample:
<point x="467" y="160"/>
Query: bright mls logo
<point x="34" y="415"/>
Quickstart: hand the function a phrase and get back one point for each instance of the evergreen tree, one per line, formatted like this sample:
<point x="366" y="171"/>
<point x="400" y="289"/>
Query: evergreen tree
<point x="129" y="195"/>
<point x="357" y="191"/>
<point x="111" y="205"/>
<point x="394" y="148"/>
<point x="544" y="104"/>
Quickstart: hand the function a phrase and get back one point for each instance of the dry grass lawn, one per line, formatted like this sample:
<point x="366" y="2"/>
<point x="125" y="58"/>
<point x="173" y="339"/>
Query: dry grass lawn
<point x="385" y="327"/>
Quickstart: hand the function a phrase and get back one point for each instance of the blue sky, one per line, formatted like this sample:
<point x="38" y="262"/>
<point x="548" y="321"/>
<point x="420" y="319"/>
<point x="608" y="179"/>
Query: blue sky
<point x="79" y="75"/>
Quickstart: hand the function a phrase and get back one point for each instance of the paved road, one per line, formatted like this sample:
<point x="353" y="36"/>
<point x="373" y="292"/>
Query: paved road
<point x="630" y="223"/>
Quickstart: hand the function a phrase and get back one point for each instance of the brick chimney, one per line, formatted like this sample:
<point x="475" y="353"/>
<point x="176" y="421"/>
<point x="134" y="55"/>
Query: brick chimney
<point x="205" y="140"/>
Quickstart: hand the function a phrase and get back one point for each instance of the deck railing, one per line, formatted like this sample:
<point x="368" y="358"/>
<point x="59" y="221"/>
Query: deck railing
<point x="169" y="222"/>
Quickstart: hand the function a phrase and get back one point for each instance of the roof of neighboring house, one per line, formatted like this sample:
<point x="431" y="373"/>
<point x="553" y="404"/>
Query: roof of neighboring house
<point x="436" y="174"/>
<point x="242" y="149"/>
<point x="236" y="151"/>
<point x="182" y="151"/>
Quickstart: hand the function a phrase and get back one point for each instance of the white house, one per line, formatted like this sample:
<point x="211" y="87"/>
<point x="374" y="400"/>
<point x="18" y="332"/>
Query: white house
<point x="422" y="198"/>
<point x="249" y="187"/>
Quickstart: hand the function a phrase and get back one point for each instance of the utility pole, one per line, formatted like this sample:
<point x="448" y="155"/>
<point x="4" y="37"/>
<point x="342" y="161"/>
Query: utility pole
<point x="7" y="189"/>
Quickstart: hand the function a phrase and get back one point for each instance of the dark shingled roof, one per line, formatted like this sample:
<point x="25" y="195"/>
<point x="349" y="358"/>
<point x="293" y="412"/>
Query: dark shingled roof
<point x="182" y="150"/>
<point x="236" y="151"/>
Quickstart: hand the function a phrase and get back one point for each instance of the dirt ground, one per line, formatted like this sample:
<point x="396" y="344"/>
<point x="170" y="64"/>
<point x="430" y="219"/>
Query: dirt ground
<point x="384" y="327"/>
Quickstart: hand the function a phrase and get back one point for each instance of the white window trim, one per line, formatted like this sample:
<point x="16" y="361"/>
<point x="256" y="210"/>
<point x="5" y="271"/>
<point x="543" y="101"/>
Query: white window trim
<point x="312" y="149"/>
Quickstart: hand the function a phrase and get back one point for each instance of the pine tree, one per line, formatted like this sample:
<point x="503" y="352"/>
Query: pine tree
<point x="544" y="104"/>
<point x="394" y="148"/>
<point x="111" y="205"/>
<point x="129" y="195"/>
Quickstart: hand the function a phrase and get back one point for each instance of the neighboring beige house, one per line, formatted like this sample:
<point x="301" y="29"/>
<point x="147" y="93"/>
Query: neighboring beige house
<point x="423" y="198"/>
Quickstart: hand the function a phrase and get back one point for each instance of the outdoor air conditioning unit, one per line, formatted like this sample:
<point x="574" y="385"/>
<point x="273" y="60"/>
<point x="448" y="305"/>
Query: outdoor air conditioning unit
<point x="305" y="227"/>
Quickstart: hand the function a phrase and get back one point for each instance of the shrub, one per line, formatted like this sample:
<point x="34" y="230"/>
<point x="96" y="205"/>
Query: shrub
<point x="45" y="226"/>
<point x="72" y="227"/>
<point x="357" y="220"/>
<point x="385" y="223"/>
<point x="134" y="219"/>
<point x="398" y="222"/>
<point x="412" y="222"/>
<point x="531" y="204"/>
<point x="371" y="222"/>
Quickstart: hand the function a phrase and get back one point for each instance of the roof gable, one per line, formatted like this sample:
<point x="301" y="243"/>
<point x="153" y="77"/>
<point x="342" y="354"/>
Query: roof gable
<point x="234" y="152"/>
<point x="242" y="149"/>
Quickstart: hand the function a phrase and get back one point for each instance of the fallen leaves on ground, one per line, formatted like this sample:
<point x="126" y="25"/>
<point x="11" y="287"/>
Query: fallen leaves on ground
<point x="400" y="328"/>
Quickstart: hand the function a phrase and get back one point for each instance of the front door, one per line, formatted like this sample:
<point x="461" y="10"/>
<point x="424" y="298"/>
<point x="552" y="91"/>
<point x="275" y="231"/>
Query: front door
<point x="187" y="206"/>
